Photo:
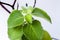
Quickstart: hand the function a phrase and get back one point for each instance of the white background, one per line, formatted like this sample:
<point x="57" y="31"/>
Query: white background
<point x="52" y="7"/>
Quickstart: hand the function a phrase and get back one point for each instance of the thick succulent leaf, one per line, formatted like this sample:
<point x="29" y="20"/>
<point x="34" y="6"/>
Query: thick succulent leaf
<point x="15" y="19"/>
<point x="33" y="31"/>
<point x="15" y="33"/>
<point x="40" y="13"/>
<point x="46" y="36"/>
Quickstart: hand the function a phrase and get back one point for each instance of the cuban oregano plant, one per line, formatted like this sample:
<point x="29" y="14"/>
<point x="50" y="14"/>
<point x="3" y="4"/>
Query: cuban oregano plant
<point x="23" y="26"/>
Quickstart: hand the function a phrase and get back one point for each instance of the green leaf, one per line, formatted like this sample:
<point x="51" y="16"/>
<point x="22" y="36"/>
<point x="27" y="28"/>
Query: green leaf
<point x="15" y="33"/>
<point x="40" y="13"/>
<point x="46" y="36"/>
<point x="33" y="31"/>
<point x="30" y="9"/>
<point x="27" y="10"/>
<point x="15" y="19"/>
<point x="24" y="10"/>
<point x="28" y="18"/>
<point x="24" y="37"/>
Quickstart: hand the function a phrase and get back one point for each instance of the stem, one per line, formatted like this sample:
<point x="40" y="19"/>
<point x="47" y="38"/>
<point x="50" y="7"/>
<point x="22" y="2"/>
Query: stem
<point x="14" y="2"/>
<point x="5" y="8"/>
<point x="26" y="5"/>
<point x="34" y="3"/>
<point x="12" y="6"/>
<point x="17" y="6"/>
<point x="6" y="4"/>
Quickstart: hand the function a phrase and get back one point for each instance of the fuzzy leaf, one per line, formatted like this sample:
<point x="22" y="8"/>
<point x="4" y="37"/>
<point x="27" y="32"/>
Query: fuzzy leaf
<point x="15" y="33"/>
<point x="28" y="18"/>
<point x="46" y="36"/>
<point x="15" y="19"/>
<point x="40" y="13"/>
<point x="33" y="31"/>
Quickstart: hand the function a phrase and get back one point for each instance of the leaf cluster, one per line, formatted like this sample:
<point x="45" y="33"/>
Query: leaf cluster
<point x="22" y="25"/>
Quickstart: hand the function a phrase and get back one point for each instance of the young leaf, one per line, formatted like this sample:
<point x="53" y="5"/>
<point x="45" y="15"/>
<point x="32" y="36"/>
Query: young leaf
<point x="28" y="18"/>
<point x="33" y="31"/>
<point x="15" y="33"/>
<point x="46" y="36"/>
<point x="27" y="10"/>
<point x="15" y="19"/>
<point x="30" y="9"/>
<point x="40" y="13"/>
